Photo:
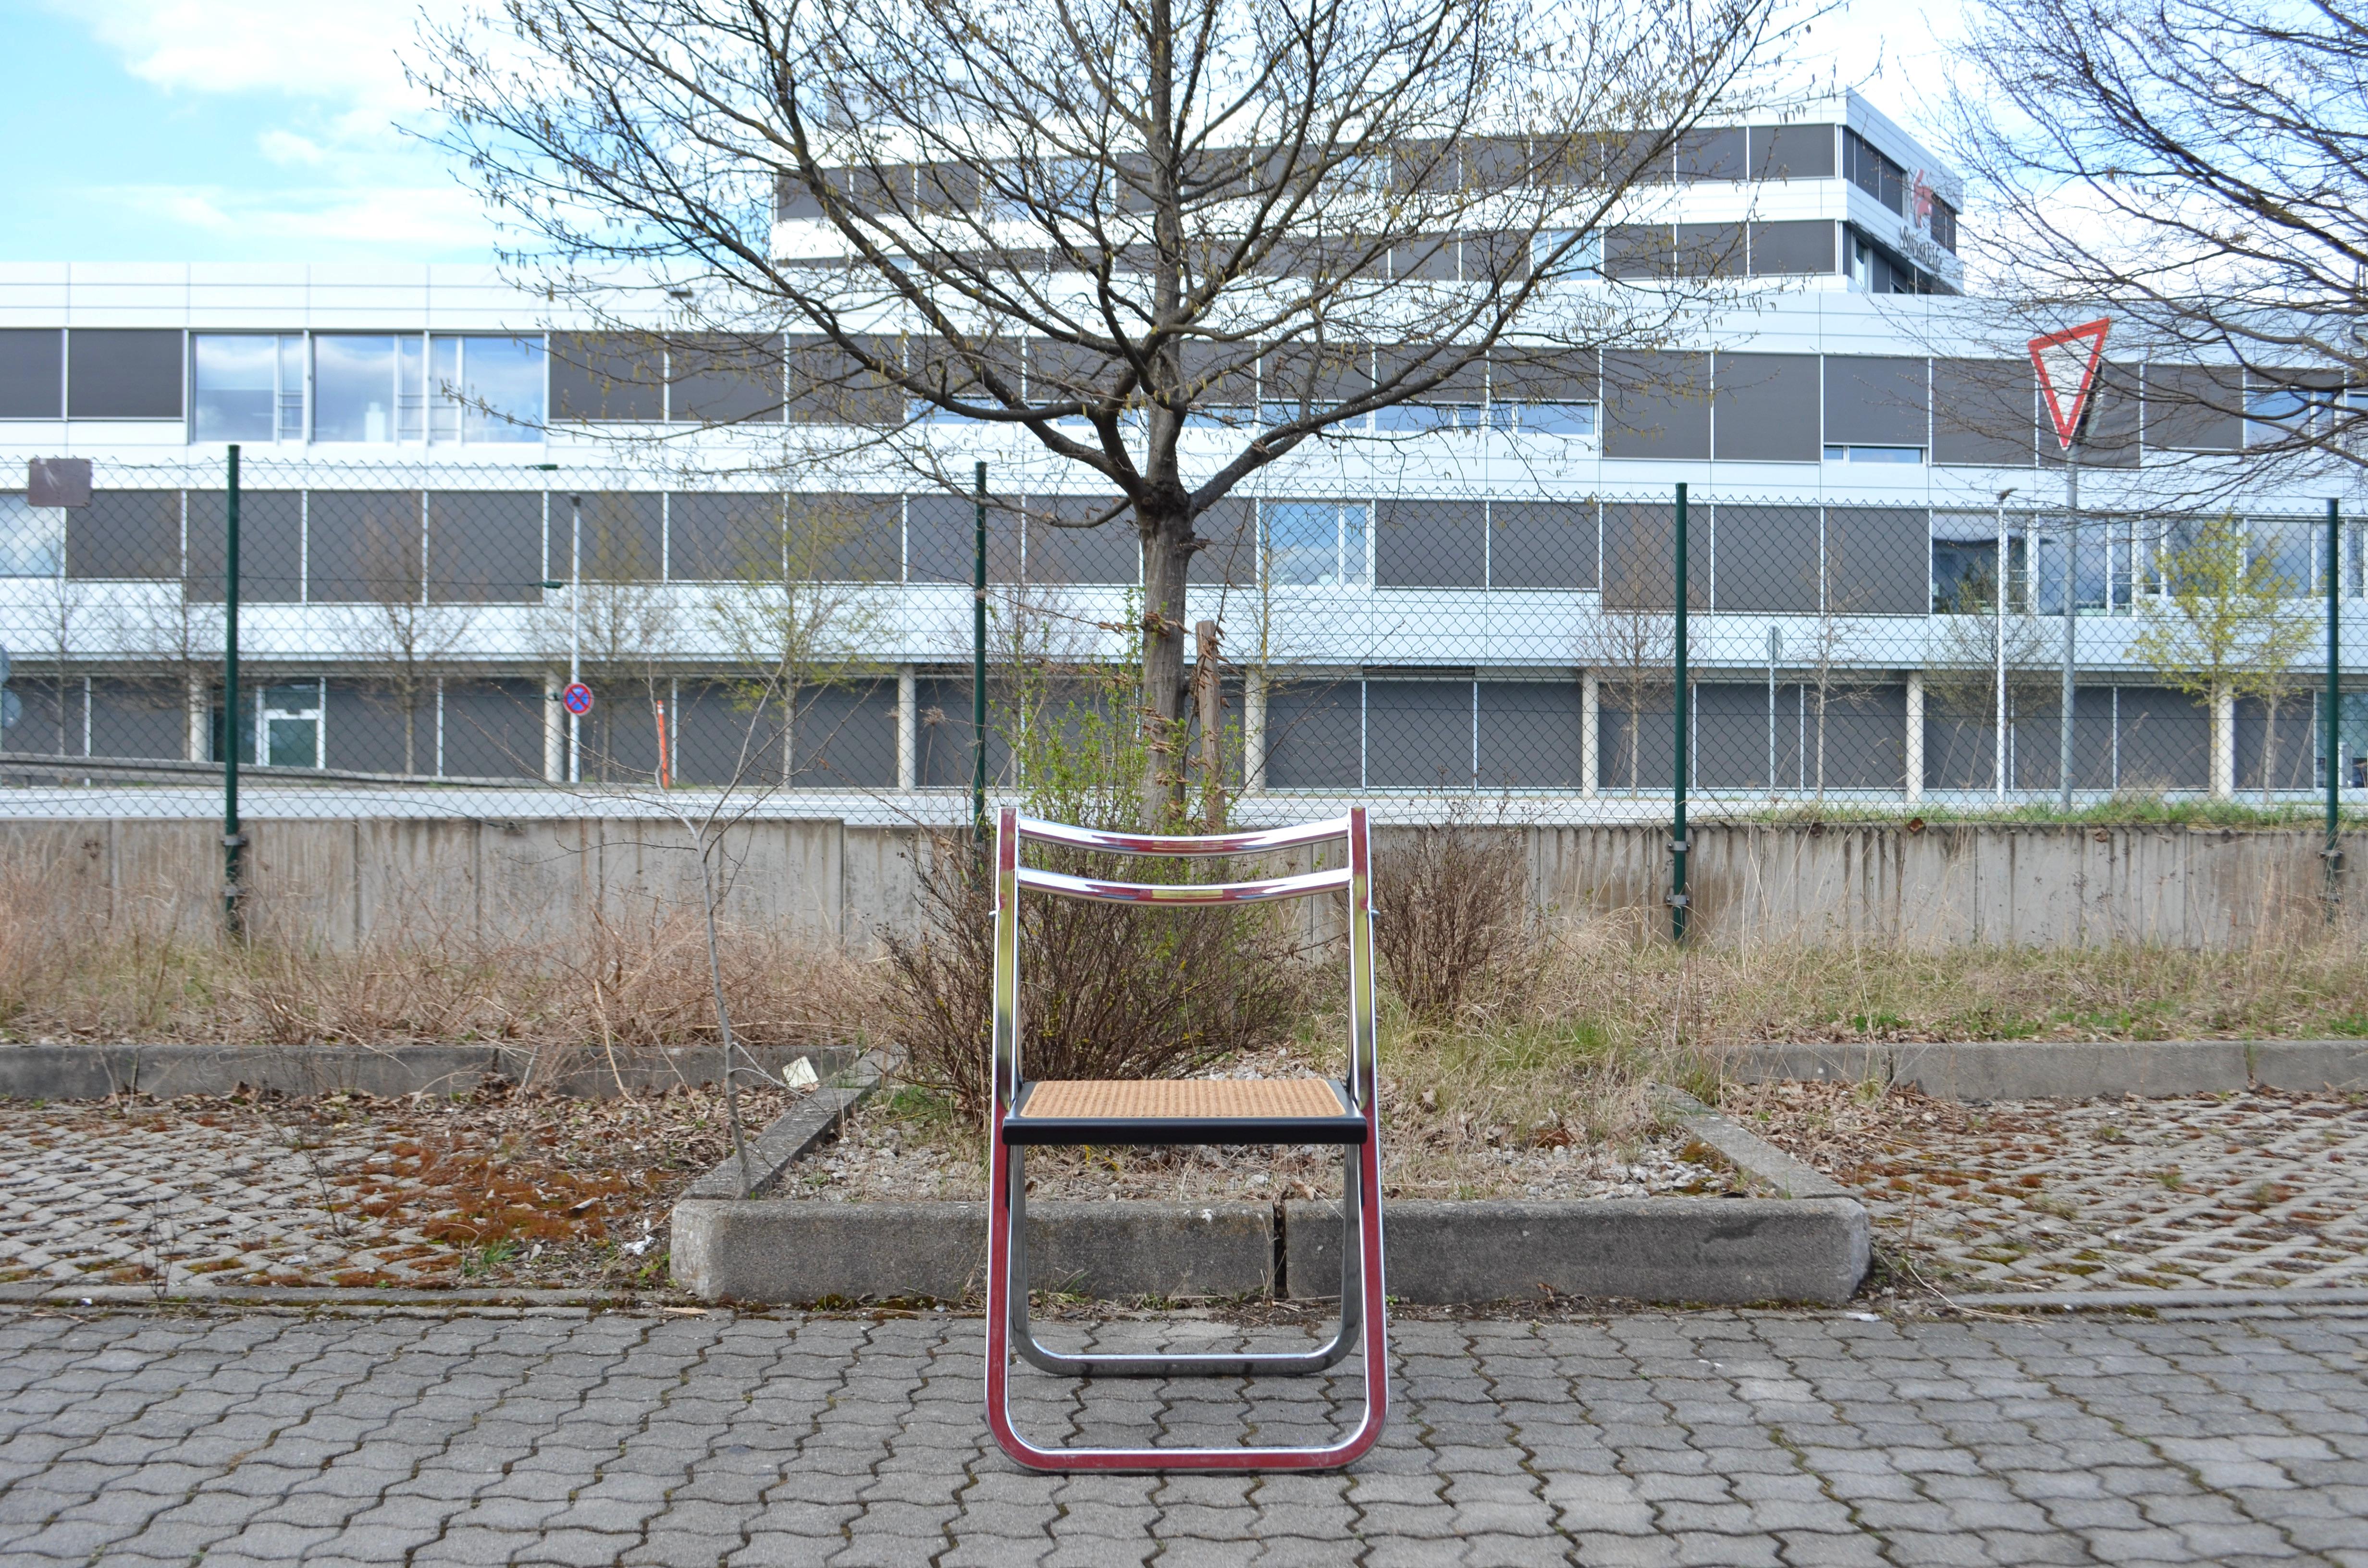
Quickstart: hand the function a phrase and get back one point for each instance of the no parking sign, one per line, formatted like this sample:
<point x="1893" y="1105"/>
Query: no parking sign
<point x="577" y="699"/>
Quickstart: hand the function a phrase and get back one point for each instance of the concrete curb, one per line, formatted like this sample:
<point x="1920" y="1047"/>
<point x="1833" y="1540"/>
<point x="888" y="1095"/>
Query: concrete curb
<point x="95" y="1071"/>
<point x="1810" y="1242"/>
<point x="2031" y="1070"/>
<point x="795" y="1133"/>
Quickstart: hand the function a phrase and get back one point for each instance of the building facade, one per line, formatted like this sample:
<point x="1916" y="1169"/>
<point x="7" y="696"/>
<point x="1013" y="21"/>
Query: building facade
<point x="452" y="496"/>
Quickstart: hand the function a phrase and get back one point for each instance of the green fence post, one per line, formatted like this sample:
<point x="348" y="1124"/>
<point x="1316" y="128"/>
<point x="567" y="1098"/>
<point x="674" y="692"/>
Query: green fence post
<point x="1678" y="846"/>
<point x="978" y="662"/>
<point x="233" y="837"/>
<point x="2333" y="736"/>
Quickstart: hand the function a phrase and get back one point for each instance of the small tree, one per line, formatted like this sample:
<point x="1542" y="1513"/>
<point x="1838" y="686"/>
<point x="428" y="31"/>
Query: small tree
<point x="622" y="630"/>
<point x="2225" y="626"/>
<point x="408" y="637"/>
<point x="1961" y="680"/>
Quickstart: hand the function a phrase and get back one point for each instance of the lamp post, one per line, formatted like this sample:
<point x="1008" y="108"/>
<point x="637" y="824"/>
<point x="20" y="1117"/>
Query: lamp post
<point x="2001" y="590"/>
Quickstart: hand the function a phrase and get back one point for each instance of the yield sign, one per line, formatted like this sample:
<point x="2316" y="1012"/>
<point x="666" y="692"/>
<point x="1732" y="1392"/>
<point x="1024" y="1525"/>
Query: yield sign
<point x="2067" y="362"/>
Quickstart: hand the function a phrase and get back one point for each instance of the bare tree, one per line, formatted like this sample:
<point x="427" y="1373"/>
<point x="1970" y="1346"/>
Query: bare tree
<point x="1961" y="676"/>
<point x="2202" y="167"/>
<point x="1099" y="225"/>
<point x="1634" y="650"/>
<point x="408" y="636"/>
<point x="624" y="625"/>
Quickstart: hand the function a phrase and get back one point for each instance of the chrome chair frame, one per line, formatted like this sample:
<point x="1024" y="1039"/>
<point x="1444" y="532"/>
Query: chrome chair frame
<point x="1362" y="1311"/>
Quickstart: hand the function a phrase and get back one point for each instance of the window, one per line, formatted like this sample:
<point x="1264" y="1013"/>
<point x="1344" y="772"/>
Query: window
<point x="289" y="734"/>
<point x="32" y="373"/>
<point x="1575" y="420"/>
<point x="1856" y="454"/>
<point x="480" y="390"/>
<point x="123" y="373"/>
<point x="1582" y="260"/>
<point x="248" y="386"/>
<point x="355" y="393"/>
<point x="1315" y="542"/>
<point x="32" y="538"/>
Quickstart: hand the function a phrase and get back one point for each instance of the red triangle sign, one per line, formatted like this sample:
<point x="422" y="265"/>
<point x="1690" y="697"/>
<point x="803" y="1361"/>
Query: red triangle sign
<point x="2066" y="362"/>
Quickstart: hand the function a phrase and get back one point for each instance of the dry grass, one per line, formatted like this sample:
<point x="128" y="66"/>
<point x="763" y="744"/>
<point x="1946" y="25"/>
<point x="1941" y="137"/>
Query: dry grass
<point x="133" y="975"/>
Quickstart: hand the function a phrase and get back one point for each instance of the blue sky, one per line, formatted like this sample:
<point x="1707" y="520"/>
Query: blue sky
<point x="268" y="129"/>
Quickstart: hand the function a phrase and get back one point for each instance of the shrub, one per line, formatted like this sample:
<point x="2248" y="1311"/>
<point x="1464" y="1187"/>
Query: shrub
<point x="1451" y="920"/>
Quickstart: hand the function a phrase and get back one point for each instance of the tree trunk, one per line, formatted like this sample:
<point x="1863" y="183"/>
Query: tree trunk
<point x="410" y="736"/>
<point x="1167" y="541"/>
<point x="2224" y="744"/>
<point x="2269" y="747"/>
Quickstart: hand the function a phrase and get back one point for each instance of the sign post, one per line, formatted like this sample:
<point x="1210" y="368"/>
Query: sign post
<point x="2068" y="363"/>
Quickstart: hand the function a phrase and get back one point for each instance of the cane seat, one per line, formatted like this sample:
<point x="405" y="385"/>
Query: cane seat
<point x="1183" y="1110"/>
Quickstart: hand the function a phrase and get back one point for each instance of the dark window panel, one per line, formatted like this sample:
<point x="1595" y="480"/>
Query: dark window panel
<point x="957" y="373"/>
<point x="1657" y="405"/>
<point x="1712" y="155"/>
<point x="1315" y="735"/>
<point x="1231" y="557"/>
<point x="1336" y="373"/>
<point x="1731" y="734"/>
<point x="2109" y="433"/>
<point x="1710" y="250"/>
<point x="1496" y="258"/>
<point x="1864" y="732"/>
<point x="1465" y="383"/>
<point x="940" y="539"/>
<point x="1767" y="408"/>
<point x="484" y="545"/>
<point x="726" y="731"/>
<point x="1640" y="560"/>
<point x="2034" y="747"/>
<point x="725" y="536"/>
<point x="2195" y="408"/>
<point x="946" y="187"/>
<point x="2287" y="747"/>
<point x="1876" y="401"/>
<point x="623" y="537"/>
<point x="1635" y="738"/>
<point x="2163" y="740"/>
<point x="845" y="738"/>
<point x="51" y="723"/>
<point x="1792" y="152"/>
<point x="792" y="198"/>
<point x="725" y="379"/>
<point x="148" y="720"/>
<point x="125" y="533"/>
<point x="1542" y="544"/>
<point x="1518" y="374"/>
<point x="1220" y="375"/>
<point x="493" y="729"/>
<point x="845" y="537"/>
<point x="1793" y="248"/>
<point x="1767" y="559"/>
<point x="363" y="730"/>
<point x="1639" y="250"/>
<point x="32" y="373"/>
<point x="1621" y="158"/>
<point x="270" y="545"/>
<point x="1985" y="412"/>
<point x="364" y="546"/>
<point x="1878" y="559"/>
<point x="829" y="386"/>
<point x="1960" y="749"/>
<point x="1430" y="544"/>
<point x="1111" y="552"/>
<point x="943" y="732"/>
<point x="608" y="376"/>
<point x="1430" y="258"/>
<point x="1531" y="734"/>
<point x="1063" y="372"/>
<point x="1419" y="734"/>
<point x="123" y="373"/>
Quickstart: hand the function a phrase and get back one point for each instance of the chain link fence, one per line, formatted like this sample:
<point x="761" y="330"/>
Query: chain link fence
<point x="409" y="634"/>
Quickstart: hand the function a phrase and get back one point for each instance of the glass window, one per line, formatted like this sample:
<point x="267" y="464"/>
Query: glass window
<point x="411" y="389"/>
<point x="443" y="392"/>
<point x="502" y="385"/>
<point x="291" y="386"/>
<point x="290" y="734"/>
<point x="236" y="379"/>
<point x="2293" y="551"/>
<point x="353" y="387"/>
<point x="32" y="538"/>
<point x="1315" y="542"/>
<point x="1856" y="454"/>
<point x="1584" y="259"/>
<point x="1554" y="418"/>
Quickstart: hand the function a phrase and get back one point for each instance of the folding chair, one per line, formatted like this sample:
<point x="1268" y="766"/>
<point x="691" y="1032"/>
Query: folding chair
<point x="1288" y="1110"/>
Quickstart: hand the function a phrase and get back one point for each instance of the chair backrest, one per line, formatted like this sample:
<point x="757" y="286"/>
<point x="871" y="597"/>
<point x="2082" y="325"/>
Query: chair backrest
<point x="1355" y="879"/>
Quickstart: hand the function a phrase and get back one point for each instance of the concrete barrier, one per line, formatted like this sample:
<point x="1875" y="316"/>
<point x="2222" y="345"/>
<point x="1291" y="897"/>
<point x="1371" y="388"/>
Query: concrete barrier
<point x="2073" y="1070"/>
<point x="95" y="1072"/>
<point x="775" y="1250"/>
<point x="1718" y="1251"/>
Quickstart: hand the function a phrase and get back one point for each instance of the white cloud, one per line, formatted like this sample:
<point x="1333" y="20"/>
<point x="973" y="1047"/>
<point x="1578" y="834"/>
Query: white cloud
<point x="331" y="49"/>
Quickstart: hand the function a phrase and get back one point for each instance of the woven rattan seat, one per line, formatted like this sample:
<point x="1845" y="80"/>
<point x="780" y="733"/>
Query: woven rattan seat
<point x="1158" y="1099"/>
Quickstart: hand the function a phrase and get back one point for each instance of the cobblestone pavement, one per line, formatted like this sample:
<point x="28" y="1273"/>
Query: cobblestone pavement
<point x="1729" y="1438"/>
<point x="2253" y="1190"/>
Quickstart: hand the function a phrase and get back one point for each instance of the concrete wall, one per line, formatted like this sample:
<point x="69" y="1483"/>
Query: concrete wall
<point x="343" y="883"/>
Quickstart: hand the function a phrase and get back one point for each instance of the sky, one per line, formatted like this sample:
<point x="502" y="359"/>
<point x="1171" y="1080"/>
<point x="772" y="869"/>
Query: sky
<point x="273" y="131"/>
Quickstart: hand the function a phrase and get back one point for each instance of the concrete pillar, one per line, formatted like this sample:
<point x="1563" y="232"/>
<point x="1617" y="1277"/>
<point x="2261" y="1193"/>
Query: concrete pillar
<point x="2223" y="745"/>
<point x="908" y="729"/>
<point x="1254" y="732"/>
<point x="554" y="733"/>
<point x="1915" y="747"/>
<point x="1590" y="731"/>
